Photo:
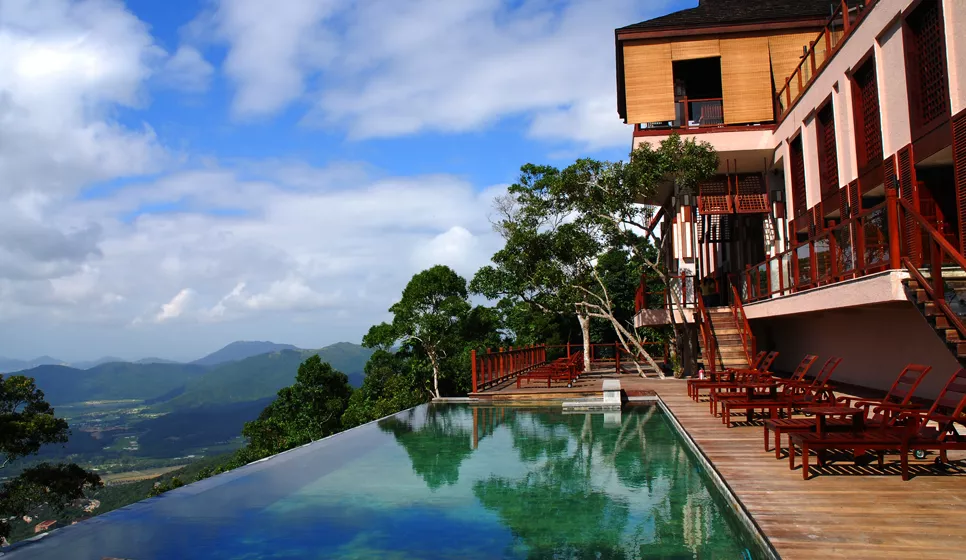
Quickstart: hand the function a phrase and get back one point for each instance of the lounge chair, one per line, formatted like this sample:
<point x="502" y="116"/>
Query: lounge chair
<point x="760" y="364"/>
<point x="561" y="369"/>
<point x="794" y="395"/>
<point x="732" y="391"/>
<point x="935" y="430"/>
<point x="876" y="414"/>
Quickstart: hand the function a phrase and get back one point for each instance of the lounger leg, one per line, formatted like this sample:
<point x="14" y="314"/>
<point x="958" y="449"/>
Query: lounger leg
<point x="791" y="454"/>
<point x="766" y="436"/>
<point x="778" y="443"/>
<point x="881" y="455"/>
<point x="804" y="461"/>
<point x="905" y="463"/>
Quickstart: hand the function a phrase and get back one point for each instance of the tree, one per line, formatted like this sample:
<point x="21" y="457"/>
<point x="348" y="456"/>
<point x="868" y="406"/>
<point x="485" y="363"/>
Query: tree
<point x="389" y="386"/>
<point x="27" y="423"/>
<point x="603" y="200"/>
<point x="308" y="410"/>
<point x="431" y="315"/>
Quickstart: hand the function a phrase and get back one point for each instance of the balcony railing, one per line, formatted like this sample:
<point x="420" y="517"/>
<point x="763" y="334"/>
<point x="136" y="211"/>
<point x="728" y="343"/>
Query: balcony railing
<point x="856" y="247"/>
<point x="819" y="51"/>
<point x="692" y="113"/>
<point x="650" y="297"/>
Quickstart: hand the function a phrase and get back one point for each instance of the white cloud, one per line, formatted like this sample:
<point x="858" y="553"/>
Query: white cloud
<point x="187" y="70"/>
<point x="387" y="68"/>
<point x="174" y="308"/>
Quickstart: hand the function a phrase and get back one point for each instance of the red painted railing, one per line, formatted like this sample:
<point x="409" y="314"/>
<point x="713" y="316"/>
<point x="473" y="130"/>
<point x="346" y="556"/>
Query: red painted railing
<point x="744" y="328"/>
<point x="490" y="368"/>
<point x="707" y="336"/>
<point x="819" y="51"/>
<point x="857" y="247"/>
<point x="684" y="287"/>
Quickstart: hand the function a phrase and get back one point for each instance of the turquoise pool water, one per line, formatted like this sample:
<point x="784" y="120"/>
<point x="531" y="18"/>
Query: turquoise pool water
<point x="439" y="481"/>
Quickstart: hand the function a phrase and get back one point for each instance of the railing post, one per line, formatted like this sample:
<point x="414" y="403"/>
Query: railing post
<point x="617" y="358"/>
<point x="813" y="261"/>
<point x="936" y="270"/>
<point x="568" y="349"/>
<point x="473" y="361"/>
<point x="833" y="262"/>
<point x="846" y="24"/>
<point x="892" y="212"/>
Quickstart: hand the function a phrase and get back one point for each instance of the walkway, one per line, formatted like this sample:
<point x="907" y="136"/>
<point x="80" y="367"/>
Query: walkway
<point x="837" y="514"/>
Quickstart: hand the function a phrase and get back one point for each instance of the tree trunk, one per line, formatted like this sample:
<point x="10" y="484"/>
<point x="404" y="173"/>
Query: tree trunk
<point x="433" y="359"/>
<point x="584" y="321"/>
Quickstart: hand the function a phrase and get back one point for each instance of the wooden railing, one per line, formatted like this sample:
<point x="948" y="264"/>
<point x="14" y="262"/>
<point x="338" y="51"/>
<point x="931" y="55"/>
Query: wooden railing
<point x="744" y="328"/>
<point x="707" y="336"/>
<point x="838" y="28"/>
<point x="683" y="284"/>
<point x="861" y="245"/>
<point x="491" y="368"/>
<point x="925" y="248"/>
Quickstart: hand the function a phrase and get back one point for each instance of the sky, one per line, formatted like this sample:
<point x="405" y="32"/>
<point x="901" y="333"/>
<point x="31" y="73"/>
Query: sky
<point x="178" y="175"/>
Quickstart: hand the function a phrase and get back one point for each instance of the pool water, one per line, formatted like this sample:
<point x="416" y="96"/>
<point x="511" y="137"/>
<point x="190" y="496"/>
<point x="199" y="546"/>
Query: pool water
<point x="439" y="481"/>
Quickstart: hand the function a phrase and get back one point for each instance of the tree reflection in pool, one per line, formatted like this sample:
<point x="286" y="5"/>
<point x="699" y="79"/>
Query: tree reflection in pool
<point x="439" y="481"/>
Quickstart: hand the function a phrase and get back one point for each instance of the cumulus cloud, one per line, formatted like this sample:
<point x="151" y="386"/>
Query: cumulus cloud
<point x="384" y="68"/>
<point x="174" y="308"/>
<point x="187" y="70"/>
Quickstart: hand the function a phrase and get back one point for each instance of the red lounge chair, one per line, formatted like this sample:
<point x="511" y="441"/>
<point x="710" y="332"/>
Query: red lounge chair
<point x="934" y="430"/>
<point x="759" y="364"/>
<point x="793" y="395"/>
<point x="732" y="391"/>
<point x="562" y="369"/>
<point x="883" y="415"/>
<point x="728" y="378"/>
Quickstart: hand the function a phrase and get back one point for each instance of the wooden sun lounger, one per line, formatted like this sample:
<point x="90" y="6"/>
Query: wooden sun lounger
<point x="732" y="391"/>
<point x="716" y="377"/>
<point x="933" y="431"/>
<point x="794" y="395"/>
<point x="727" y="378"/>
<point x="562" y="369"/>
<point x="881" y="416"/>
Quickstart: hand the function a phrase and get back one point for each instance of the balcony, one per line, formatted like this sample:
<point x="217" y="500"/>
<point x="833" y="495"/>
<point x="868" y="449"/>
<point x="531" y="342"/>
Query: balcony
<point x="652" y="300"/>
<point x="691" y="114"/>
<point x="819" y="52"/>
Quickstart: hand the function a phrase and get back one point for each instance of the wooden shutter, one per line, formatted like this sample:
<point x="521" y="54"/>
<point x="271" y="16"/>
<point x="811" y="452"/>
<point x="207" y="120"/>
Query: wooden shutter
<point x="867" y="118"/>
<point x="746" y="80"/>
<point x="690" y="50"/>
<point x="927" y="77"/>
<point x="828" y="164"/>
<point x="648" y="82"/>
<point x="959" y="165"/>
<point x="800" y="204"/>
<point x="785" y="52"/>
<point x="906" y="177"/>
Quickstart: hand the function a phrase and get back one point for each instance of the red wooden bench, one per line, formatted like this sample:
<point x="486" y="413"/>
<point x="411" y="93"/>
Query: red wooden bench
<point x="561" y="369"/>
<point x="935" y="430"/>
<point x="878" y="412"/>
<point x="732" y="391"/>
<point x="757" y="365"/>
<point x="794" y="395"/>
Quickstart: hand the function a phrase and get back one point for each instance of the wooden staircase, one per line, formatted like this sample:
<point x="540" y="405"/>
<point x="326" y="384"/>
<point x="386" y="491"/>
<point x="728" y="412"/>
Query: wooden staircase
<point x="729" y="353"/>
<point x="954" y="281"/>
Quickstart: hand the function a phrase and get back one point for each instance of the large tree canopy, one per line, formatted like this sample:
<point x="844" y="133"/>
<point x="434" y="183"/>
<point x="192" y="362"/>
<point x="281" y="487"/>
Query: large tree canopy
<point x="27" y="423"/>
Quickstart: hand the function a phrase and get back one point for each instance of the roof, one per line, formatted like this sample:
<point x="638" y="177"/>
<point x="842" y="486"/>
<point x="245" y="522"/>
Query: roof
<point x="732" y="12"/>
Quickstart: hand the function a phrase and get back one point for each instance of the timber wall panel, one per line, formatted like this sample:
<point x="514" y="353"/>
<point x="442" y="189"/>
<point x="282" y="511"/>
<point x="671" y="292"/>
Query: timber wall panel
<point x="959" y="166"/>
<point x="649" y="82"/>
<point x="746" y="80"/>
<point x="690" y="50"/>
<point x="785" y="52"/>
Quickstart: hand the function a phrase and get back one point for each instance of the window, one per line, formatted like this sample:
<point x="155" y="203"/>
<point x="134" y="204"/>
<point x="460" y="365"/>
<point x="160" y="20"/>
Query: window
<point x="926" y="72"/>
<point x="798" y="176"/>
<point x="828" y="164"/>
<point x="868" y="127"/>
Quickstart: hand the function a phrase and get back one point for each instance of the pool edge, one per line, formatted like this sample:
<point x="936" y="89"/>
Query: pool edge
<point x="744" y="517"/>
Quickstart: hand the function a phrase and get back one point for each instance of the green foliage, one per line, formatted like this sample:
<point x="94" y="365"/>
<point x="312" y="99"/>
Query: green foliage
<point x="431" y="318"/>
<point x="390" y="386"/>
<point x="436" y="446"/>
<point x="162" y="487"/>
<point x="310" y="409"/>
<point x="27" y="423"/>
<point x="263" y="376"/>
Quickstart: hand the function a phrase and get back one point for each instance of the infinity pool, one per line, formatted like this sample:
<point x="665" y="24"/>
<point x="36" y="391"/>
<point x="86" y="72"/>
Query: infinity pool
<point x="439" y="481"/>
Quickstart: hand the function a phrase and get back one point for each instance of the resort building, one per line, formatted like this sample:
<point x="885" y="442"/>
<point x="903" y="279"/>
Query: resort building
<point x="838" y="215"/>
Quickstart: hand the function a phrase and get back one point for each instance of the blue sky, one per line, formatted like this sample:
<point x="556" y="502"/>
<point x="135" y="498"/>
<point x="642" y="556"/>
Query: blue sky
<point x="182" y="174"/>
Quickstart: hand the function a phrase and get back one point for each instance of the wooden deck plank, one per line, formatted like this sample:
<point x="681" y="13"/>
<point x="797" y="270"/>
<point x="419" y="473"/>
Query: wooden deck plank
<point x="844" y="512"/>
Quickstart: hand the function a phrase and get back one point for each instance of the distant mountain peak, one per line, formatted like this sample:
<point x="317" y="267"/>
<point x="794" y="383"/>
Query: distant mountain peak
<point x="241" y="349"/>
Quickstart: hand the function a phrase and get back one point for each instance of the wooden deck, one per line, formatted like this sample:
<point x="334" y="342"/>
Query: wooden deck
<point x="842" y="512"/>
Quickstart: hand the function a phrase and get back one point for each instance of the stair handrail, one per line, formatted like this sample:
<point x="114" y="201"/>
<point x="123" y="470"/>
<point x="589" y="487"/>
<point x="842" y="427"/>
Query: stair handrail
<point x="939" y="248"/>
<point x="744" y="328"/>
<point x="710" y="342"/>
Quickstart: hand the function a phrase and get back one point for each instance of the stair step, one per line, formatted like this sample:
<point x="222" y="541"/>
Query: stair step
<point x="952" y="335"/>
<point x="961" y="349"/>
<point x="930" y="310"/>
<point x="942" y="322"/>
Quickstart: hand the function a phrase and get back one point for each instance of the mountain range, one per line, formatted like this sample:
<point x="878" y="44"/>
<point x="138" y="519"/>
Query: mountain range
<point x="238" y="350"/>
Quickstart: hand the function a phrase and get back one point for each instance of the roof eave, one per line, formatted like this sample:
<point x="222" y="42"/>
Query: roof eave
<point x="625" y="33"/>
